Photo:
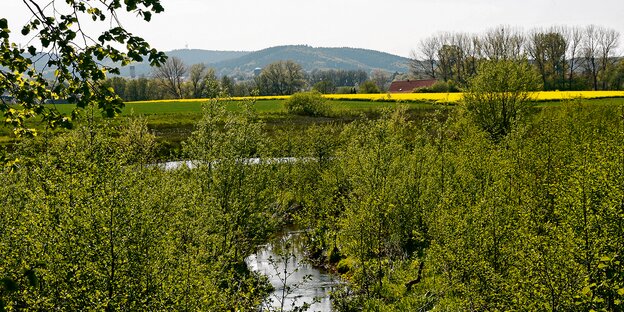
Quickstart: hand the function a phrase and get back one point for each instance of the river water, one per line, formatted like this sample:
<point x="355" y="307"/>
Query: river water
<point x="295" y="281"/>
<point x="172" y="165"/>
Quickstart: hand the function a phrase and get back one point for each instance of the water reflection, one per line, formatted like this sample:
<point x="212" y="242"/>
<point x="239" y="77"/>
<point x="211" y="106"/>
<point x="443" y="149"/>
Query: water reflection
<point x="172" y="165"/>
<point x="296" y="282"/>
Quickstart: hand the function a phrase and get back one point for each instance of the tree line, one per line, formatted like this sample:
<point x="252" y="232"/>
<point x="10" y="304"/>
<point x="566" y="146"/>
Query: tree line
<point x="175" y="80"/>
<point x="566" y="57"/>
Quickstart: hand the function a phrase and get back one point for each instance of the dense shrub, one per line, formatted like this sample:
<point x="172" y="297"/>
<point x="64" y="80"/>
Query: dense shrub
<point x="308" y="104"/>
<point x="499" y="96"/>
<point x="368" y="87"/>
<point x="325" y="87"/>
<point x="439" y="87"/>
<point x="346" y="90"/>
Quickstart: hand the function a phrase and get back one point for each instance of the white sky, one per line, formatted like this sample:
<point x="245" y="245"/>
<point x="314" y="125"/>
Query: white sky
<point x="394" y="26"/>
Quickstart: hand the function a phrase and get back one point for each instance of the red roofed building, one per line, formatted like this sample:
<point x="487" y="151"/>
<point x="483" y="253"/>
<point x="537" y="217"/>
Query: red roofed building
<point x="408" y="86"/>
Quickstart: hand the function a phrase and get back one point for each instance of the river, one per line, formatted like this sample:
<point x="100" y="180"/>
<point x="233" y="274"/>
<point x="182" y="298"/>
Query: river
<point x="295" y="281"/>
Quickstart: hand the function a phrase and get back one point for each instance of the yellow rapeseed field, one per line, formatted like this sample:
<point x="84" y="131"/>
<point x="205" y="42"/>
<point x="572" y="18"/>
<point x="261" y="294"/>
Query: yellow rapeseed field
<point x="428" y="97"/>
<point x="455" y="97"/>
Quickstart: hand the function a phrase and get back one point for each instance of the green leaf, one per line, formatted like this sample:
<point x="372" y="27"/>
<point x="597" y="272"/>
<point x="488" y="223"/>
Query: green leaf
<point x="3" y="23"/>
<point x="25" y="30"/>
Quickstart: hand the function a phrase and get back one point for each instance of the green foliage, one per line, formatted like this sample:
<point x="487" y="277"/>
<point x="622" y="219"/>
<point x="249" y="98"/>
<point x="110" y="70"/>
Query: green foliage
<point x="280" y="78"/>
<point x="498" y="96"/>
<point x="346" y="90"/>
<point x="308" y="104"/>
<point x="90" y="223"/>
<point x="74" y="56"/>
<point x="548" y="51"/>
<point x="439" y="87"/>
<point x="437" y="216"/>
<point x="368" y="87"/>
<point x="415" y="215"/>
<point x="324" y="87"/>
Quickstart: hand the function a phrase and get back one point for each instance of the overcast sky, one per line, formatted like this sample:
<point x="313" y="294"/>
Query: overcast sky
<point x="393" y="26"/>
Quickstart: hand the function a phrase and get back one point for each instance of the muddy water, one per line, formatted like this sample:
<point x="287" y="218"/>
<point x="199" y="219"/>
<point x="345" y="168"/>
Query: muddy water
<point x="295" y="281"/>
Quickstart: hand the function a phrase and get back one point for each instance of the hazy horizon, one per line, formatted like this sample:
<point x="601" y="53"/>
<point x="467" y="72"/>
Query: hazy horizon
<point x="394" y="26"/>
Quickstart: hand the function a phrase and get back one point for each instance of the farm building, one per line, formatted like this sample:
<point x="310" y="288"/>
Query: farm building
<point x="408" y="86"/>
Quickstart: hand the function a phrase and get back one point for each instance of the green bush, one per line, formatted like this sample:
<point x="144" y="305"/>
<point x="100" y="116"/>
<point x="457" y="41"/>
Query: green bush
<point x="325" y="87"/>
<point x="308" y="104"/>
<point x="439" y="87"/>
<point x="345" y="90"/>
<point x="368" y="87"/>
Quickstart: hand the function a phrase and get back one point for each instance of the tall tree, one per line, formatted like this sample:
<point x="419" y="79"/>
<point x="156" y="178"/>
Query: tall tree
<point x="574" y="37"/>
<point x="502" y="43"/>
<point x="227" y="85"/>
<point x="197" y="72"/>
<point x="58" y="40"/>
<point x="171" y="75"/>
<point x="381" y="79"/>
<point x="608" y="42"/>
<point x="280" y="78"/>
<point x="547" y="50"/>
<point x="450" y="58"/>
<point x="590" y="54"/>
<point x="424" y="59"/>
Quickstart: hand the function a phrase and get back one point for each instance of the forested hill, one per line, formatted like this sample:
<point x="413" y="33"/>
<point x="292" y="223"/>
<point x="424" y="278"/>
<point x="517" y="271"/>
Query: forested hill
<point x="315" y="58"/>
<point x="189" y="57"/>
<point x="243" y="63"/>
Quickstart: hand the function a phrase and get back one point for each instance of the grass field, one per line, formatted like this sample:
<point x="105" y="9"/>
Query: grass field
<point x="262" y="106"/>
<point x="174" y="120"/>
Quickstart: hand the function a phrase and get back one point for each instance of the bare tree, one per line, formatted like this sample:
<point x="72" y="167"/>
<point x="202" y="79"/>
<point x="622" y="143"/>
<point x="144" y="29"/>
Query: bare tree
<point x="171" y="75"/>
<point x="424" y="60"/>
<point x="590" y="48"/>
<point x="381" y="78"/>
<point x="503" y="43"/>
<point x="467" y="43"/>
<point x="608" y="42"/>
<point x="574" y="39"/>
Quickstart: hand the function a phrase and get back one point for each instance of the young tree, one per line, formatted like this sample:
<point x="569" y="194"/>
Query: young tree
<point x="227" y="85"/>
<point x="203" y="82"/>
<point x="499" y="95"/>
<point x="74" y="54"/>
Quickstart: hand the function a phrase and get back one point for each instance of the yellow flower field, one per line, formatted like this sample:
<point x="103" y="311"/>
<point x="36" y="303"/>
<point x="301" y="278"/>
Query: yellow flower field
<point x="429" y="97"/>
<point x="455" y="97"/>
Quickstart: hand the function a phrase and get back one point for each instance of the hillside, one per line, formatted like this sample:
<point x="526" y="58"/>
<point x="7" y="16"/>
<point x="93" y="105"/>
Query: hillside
<point x="315" y="58"/>
<point x="189" y="57"/>
<point x="241" y="63"/>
